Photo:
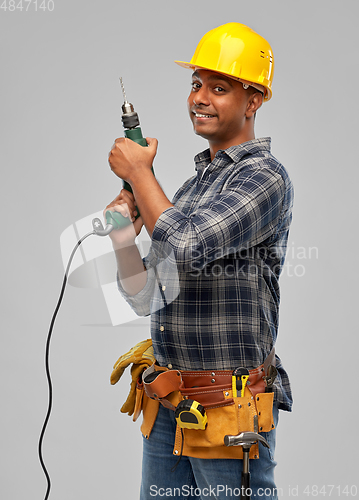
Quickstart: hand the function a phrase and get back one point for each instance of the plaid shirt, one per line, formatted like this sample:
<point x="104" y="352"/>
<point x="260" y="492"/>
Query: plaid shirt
<point x="214" y="264"/>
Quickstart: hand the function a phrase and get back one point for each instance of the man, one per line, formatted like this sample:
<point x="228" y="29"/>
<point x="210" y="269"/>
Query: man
<point x="226" y="231"/>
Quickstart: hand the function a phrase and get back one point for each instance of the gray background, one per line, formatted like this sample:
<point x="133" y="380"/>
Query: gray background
<point x="60" y="112"/>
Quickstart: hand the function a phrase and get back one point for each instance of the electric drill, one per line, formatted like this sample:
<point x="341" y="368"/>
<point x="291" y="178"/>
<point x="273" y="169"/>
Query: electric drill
<point x="133" y="131"/>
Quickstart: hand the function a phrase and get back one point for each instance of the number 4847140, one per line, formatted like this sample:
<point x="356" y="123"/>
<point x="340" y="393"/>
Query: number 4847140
<point x="27" y="5"/>
<point x="331" y="490"/>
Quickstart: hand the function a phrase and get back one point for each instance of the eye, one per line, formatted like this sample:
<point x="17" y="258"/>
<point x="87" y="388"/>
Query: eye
<point x="219" y="89"/>
<point x="195" y="85"/>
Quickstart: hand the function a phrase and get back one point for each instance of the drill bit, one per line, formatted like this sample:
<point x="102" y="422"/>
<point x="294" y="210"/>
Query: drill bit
<point x="127" y="106"/>
<point x="123" y="89"/>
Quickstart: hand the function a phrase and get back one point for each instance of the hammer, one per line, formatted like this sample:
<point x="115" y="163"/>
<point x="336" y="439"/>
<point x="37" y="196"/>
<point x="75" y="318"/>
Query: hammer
<point x="246" y="440"/>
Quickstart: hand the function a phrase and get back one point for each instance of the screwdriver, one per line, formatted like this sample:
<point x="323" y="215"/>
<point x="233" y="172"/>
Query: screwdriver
<point x="133" y="131"/>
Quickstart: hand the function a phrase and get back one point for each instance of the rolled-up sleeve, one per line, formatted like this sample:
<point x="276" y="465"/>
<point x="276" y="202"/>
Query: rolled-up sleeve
<point x="141" y="301"/>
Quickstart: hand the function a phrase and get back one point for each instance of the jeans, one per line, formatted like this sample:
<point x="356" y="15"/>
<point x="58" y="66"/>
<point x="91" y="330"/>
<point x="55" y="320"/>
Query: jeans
<point x="201" y="478"/>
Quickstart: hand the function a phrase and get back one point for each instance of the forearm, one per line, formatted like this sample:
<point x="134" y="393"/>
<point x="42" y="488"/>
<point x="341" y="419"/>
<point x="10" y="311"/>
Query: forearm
<point x="131" y="271"/>
<point x="150" y="198"/>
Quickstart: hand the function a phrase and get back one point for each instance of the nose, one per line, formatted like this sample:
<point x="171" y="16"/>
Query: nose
<point x="201" y="97"/>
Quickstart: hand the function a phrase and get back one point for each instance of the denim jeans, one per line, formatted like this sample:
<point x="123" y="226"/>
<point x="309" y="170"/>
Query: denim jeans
<point x="201" y="478"/>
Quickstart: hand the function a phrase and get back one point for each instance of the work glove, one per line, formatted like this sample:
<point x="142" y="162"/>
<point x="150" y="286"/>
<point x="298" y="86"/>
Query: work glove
<point x="141" y="356"/>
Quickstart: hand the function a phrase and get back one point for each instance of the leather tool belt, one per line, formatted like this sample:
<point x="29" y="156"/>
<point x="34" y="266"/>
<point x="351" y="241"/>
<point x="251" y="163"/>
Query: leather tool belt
<point x="209" y="388"/>
<point x="227" y="413"/>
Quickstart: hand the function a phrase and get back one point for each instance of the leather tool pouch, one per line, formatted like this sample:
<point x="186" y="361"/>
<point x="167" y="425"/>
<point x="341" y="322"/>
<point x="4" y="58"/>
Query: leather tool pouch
<point x="236" y="415"/>
<point x="163" y="385"/>
<point x="226" y="415"/>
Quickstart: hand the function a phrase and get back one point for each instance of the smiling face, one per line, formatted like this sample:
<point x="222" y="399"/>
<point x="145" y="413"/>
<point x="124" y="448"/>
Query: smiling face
<point x="221" y="110"/>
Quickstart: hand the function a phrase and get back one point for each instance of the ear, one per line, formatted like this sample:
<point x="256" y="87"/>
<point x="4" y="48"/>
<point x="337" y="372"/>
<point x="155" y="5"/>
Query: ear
<point x="254" y="103"/>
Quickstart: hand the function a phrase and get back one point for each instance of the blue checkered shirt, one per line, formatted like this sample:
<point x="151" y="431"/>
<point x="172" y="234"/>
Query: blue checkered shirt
<point x="214" y="263"/>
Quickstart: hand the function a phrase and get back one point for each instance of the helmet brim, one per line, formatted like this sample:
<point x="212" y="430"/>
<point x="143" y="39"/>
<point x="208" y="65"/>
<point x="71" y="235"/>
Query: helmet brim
<point x="185" y="64"/>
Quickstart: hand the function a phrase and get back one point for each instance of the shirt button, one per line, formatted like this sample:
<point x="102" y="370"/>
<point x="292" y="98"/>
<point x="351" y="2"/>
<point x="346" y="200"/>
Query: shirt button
<point x="169" y="366"/>
<point x="162" y="328"/>
<point x="163" y="288"/>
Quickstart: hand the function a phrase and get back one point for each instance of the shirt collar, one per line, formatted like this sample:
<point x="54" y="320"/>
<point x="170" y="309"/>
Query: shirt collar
<point x="235" y="153"/>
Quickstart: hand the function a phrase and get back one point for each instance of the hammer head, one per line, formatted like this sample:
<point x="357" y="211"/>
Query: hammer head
<point x="245" y="439"/>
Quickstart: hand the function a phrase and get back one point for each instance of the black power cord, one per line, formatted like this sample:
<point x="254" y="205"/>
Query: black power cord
<point x="47" y="362"/>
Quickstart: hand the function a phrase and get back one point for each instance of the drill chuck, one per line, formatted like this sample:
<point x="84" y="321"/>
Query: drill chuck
<point x="129" y="116"/>
<point x="127" y="108"/>
<point x="130" y="120"/>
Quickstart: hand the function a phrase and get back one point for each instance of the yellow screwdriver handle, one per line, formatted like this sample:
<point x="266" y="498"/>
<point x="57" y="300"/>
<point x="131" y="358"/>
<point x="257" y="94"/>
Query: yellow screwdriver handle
<point x="234" y="386"/>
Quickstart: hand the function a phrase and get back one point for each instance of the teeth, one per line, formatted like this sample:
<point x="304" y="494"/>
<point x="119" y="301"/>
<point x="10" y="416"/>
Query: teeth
<point x="198" y="115"/>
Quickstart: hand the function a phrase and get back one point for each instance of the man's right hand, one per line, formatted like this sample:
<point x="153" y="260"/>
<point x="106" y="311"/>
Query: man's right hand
<point x="125" y="204"/>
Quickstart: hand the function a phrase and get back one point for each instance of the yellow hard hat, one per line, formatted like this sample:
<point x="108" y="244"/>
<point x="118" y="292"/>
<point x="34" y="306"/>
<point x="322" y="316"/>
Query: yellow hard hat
<point x="237" y="51"/>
